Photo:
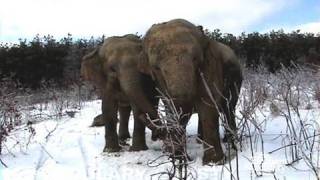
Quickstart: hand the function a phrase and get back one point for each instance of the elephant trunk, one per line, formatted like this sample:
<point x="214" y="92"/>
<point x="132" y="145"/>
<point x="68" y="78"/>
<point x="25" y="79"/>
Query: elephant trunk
<point x="180" y="80"/>
<point x="135" y="89"/>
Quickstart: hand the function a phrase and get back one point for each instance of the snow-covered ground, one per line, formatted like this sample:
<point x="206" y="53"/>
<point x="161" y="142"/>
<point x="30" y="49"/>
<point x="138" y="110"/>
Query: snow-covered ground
<point x="69" y="149"/>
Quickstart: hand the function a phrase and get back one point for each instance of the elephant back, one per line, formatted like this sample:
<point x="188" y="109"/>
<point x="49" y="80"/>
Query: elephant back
<point x="127" y="42"/>
<point x="177" y="30"/>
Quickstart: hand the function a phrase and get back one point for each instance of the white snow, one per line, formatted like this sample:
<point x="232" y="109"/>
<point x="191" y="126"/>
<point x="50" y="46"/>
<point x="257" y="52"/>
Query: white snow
<point x="73" y="151"/>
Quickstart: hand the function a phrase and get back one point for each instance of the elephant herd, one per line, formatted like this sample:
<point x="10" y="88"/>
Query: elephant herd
<point x="178" y="59"/>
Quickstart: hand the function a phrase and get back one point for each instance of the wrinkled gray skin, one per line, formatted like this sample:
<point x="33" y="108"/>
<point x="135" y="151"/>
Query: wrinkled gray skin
<point x="175" y="54"/>
<point x="113" y="69"/>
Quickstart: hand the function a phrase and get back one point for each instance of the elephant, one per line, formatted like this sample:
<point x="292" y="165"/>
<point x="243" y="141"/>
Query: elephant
<point x="91" y="71"/>
<point x="232" y="79"/>
<point x="113" y="69"/>
<point x="191" y="68"/>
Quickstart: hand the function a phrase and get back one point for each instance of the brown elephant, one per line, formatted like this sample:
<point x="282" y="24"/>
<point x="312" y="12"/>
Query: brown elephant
<point x="189" y="67"/>
<point x="91" y="70"/>
<point x="113" y="69"/>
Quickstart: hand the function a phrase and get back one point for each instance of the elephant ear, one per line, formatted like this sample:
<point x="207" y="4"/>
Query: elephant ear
<point x="212" y="68"/>
<point x="91" y="54"/>
<point x="204" y="41"/>
<point x="206" y="49"/>
<point x="143" y="64"/>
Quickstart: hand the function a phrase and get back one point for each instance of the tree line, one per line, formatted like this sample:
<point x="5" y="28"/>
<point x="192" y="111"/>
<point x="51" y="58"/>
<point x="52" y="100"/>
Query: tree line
<point x="45" y="59"/>
<point x="272" y="49"/>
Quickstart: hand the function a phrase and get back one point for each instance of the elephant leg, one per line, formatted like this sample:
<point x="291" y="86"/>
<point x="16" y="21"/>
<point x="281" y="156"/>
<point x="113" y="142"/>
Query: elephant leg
<point x="233" y="80"/>
<point x="209" y="117"/>
<point x="231" y="124"/>
<point x="181" y="135"/>
<point x="138" y="138"/>
<point x="124" y="112"/>
<point x="176" y="136"/>
<point x="109" y="114"/>
<point x="155" y="135"/>
<point x="228" y="109"/>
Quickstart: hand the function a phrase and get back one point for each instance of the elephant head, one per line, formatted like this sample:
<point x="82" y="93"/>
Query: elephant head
<point x="173" y="52"/>
<point x="113" y="67"/>
<point x="120" y="59"/>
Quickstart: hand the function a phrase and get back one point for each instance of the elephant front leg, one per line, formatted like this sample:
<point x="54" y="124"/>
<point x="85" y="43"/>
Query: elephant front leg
<point x="230" y="130"/>
<point x="228" y="108"/>
<point x="109" y="114"/>
<point x="233" y="80"/>
<point x="209" y="117"/>
<point x="138" y="138"/>
<point x="124" y="112"/>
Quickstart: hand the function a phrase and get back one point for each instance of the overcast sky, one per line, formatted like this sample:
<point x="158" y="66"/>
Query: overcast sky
<point x="85" y="18"/>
